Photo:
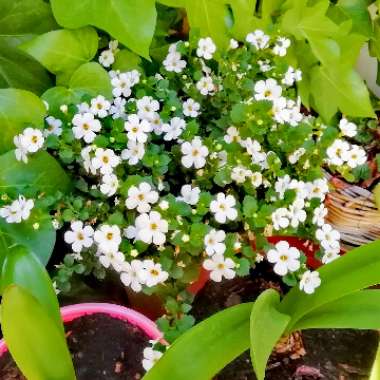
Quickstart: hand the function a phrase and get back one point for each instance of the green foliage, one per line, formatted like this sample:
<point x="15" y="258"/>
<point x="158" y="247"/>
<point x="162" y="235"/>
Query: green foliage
<point x="42" y="174"/>
<point x="33" y="337"/>
<point x="63" y="51"/>
<point x="18" y="108"/>
<point x="339" y="302"/>
<point x="41" y="241"/>
<point x="21" y="267"/>
<point x="131" y="22"/>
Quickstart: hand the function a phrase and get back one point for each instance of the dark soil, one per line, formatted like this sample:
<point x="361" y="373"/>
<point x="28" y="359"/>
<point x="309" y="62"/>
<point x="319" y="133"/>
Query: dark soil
<point x="102" y="347"/>
<point x="330" y="354"/>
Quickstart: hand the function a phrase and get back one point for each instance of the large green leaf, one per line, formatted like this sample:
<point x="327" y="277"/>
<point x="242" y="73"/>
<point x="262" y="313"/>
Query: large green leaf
<point x="204" y="350"/>
<point x="356" y="270"/>
<point x="42" y="174"/>
<point x="132" y="22"/>
<point x="33" y="338"/>
<point x="341" y="86"/>
<point x="244" y="21"/>
<point x="19" y="70"/>
<point x="41" y="241"/>
<point x="360" y="310"/>
<point x="18" y="108"/>
<point x="207" y="17"/>
<point x="63" y="51"/>
<point x="89" y="79"/>
<point x="25" y="16"/>
<point x="267" y="327"/>
<point x="21" y="267"/>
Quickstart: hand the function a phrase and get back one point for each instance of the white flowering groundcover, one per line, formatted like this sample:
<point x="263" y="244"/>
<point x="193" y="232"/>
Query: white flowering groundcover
<point x="192" y="167"/>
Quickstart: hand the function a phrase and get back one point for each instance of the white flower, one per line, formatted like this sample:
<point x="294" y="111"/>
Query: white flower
<point x="191" y="108"/>
<point x="214" y="242"/>
<point x="29" y="141"/>
<point x="356" y="156"/>
<point x="223" y="208"/>
<point x="205" y="85"/>
<point x="319" y="215"/>
<point x="267" y="90"/>
<point x="239" y="174"/>
<point x="220" y="267"/>
<point x="106" y="58"/>
<point x="164" y="205"/>
<point x="85" y="127"/>
<point x="121" y="85"/>
<point x="297" y="214"/>
<point x="328" y="237"/>
<point x="337" y="153"/>
<point x="282" y="184"/>
<point x="105" y="160"/>
<point x="141" y="197"/>
<point x="151" y="357"/>
<point x="317" y="189"/>
<point x="194" y="153"/>
<point x="21" y="151"/>
<point x="291" y="76"/>
<point x="112" y="258"/>
<point x="134" y="275"/>
<point x="284" y="258"/>
<point x="18" y="210"/>
<point x="86" y="154"/>
<point x="54" y="126"/>
<point x="100" y="106"/>
<point x="83" y="107"/>
<point x="348" y="128"/>
<point x="233" y="44"/>
<point x="330" y="255"/>
<point x="232" y="135"/>
<point x="137" y="130"/>
<point x="310" y="281"/>
<point x="189" y="194"/>
<point x="154" y="273"/>
<point x="117" y="109"/>
<point x="134" y="153"/>
<point x="108" y="238"/>
<point x="79" y="237"/>
<point x="206" y="48"/>
<point x="156" y="123"/>
<point x="174" y="129"/>
<point x="296" y="155"/>
<point x="151" y="228"/>
<point x="147" y="107"/>
<point x="264" y="65"/>
<point x="280" y="218"/>
<point x="109" y="185"/>
<point x="256" y="179"/>
<point x="258" y="39"/>
<point x="281" y="46"/>
<point x="174" y="63"/>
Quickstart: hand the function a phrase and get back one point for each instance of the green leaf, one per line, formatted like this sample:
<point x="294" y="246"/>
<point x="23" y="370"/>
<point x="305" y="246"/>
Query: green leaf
<point x="63" y="51"/>
<point x="56" y="96"/>
<point x="126" y="60"/>
<point x="267" y="326"/>
<point x="18" y="108"/>
<point x="208" y="18"/>
<point x="243" y="11"/>
<point x="202" y="352"/>
<point x="131" y="22"/>
<point x="25" y="16"/>
<point x="21" y="267"/>
<point x="249" y="206"/>
<point x="356" y="270"/>
<point x="173" y="3"/>
<point x="19" y="70"/>
<point x="33" y="338"/>
<point x="342" y="87"/>
<point x="268" y="7"/>
<point x="91" y="79"/>
<point x="360" y="310"/>
<point x="42" y="173"/>
<point x="41" y="241"/>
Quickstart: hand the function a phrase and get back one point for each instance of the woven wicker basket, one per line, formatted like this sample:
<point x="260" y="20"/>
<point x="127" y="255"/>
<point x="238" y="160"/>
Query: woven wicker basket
<point x="353" y="212"/>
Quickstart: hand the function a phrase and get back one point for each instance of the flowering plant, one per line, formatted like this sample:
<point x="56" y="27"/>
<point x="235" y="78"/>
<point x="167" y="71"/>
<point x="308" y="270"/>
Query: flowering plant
<point x="191" y="167"/>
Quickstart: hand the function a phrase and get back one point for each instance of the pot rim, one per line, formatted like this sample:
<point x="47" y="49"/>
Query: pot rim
<point x="71" y="312"/>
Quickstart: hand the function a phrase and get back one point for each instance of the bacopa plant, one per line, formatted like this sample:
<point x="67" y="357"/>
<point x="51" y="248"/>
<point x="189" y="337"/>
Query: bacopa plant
<point x="192" y="167"/>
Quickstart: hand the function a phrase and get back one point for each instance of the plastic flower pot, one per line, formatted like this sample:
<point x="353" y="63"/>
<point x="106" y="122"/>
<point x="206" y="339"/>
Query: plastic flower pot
<point x="69" y="313"/>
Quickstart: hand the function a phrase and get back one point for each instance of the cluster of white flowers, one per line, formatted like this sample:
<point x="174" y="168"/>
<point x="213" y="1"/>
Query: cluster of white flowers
<point x="330" y="242"/>
<point x="151" y="356"/>
<point x="107" y="57"/>
<point x="341" y="152"/>
<point x="173" y="61"/>
<point x="18" y="211"/>
<point x="29" y="141"/>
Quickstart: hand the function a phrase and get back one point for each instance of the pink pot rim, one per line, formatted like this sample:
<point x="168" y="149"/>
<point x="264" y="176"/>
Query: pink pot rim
<point x="69" y="313"/>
